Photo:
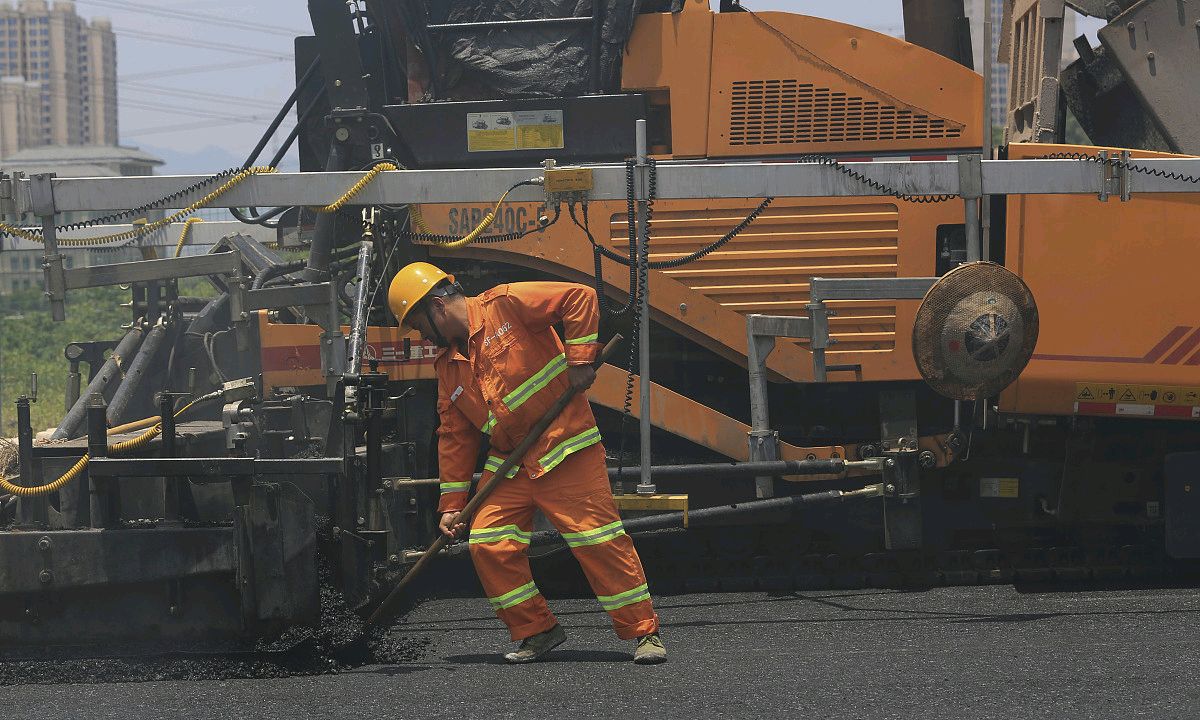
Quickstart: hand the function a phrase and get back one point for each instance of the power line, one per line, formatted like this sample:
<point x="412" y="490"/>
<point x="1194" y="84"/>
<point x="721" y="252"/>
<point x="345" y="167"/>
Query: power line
<point x="192" y="42"/>
<point x="197" y="95"/>
<point x="148" y="88"/>
<point x="151" y="106"/>
<point x="196" y="69"/>
<point x="161" y="129"/>
<point x="188" y="15"/>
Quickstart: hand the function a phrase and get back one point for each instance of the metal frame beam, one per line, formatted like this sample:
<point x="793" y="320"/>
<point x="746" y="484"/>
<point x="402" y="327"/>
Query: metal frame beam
<point x="675" y="181"/>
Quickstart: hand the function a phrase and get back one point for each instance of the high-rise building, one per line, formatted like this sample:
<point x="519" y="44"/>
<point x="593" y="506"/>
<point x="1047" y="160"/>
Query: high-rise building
<point x="1000" y="71"/>
<point x="74" y="64"/>
<point x="20" y="103"/>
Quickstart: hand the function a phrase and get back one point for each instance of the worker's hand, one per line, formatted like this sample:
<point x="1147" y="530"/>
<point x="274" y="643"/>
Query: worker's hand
<point x="581" y="376"/>
<point x="450" y="526"/>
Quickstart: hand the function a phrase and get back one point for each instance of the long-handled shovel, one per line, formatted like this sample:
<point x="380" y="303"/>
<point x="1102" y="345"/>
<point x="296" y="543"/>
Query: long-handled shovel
<point x="482" y="493"/>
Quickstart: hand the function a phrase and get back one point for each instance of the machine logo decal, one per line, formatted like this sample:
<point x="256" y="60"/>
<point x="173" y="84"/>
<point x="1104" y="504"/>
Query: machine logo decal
<point x="1153" y="356"/>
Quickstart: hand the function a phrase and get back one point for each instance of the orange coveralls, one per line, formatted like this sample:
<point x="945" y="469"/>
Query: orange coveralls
<point x="514" y="371"/>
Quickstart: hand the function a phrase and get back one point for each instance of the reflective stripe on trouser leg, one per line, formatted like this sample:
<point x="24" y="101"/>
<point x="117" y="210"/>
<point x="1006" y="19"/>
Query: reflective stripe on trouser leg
<point x="577" y="498"/>
<point x="499" y="539"/>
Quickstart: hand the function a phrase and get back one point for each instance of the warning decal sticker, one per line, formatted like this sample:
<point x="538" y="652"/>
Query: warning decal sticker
<point x="1144" y="394"/>
<point x="520" y="130"/>
<point x="1169" y="401"/>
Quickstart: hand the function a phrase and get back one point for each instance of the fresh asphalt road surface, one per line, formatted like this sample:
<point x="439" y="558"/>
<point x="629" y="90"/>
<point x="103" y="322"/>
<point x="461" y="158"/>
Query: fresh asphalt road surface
<point x="982" y="652"/>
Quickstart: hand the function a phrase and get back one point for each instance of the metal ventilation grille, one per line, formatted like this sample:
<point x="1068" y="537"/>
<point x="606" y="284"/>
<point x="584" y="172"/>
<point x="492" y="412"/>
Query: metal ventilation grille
<point x="767" y="268"/>
<point x="785" y="112"/>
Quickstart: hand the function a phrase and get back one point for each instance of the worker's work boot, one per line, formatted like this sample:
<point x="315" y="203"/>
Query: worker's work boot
<point x="536" y="647"/>
<point x="650" y="650"/>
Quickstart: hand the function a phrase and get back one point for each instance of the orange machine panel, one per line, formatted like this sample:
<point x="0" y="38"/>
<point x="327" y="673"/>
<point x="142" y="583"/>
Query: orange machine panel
<point x="1118" y="291"/>
<point x="789" y="83"/>
<point x="771" y="83"/>
<point x="766" y="269"/>
<point x="291" y="354"/>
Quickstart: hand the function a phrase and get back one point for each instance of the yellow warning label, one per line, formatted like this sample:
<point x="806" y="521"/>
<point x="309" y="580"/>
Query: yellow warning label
<point x="539" y="129"/>
<point x="999" y="487"/>
<point x="518" y="130"/>
<point x="531" y="137"/>
<point x="1141" y="394"/>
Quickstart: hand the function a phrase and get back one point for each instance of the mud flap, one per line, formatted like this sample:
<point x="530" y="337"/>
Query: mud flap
<point x="277" y="559"/>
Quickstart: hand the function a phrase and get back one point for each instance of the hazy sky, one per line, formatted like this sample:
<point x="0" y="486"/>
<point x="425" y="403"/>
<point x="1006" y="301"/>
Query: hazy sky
<point x="210" y="120"/>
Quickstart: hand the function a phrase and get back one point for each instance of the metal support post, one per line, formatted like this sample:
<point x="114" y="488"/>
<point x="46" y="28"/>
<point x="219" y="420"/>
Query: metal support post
<point x="237" y="304"/>
<point x="31" y="511"/>
<point x="985" y="212"/>
<point x="73" y="383"/>
<point x="645" y="484"/>
<point x="333" y="343"/>
<point x="818" y="314"/>
<point x="41" y="192"/>
<point x="325" y="232"/>
<point x="172" y="485"/>
<point x="105" y="496"/>
<point x="826" y="289"/>
<point x="970" y="180"/>
<point x="761" y="331"/>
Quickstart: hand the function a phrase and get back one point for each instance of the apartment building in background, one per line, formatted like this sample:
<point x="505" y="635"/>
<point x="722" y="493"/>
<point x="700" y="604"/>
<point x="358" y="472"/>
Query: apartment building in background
<point x="58" y="77"/>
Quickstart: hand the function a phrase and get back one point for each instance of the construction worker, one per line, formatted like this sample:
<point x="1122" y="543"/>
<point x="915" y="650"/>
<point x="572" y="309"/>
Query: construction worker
<point x="502" y="367"/>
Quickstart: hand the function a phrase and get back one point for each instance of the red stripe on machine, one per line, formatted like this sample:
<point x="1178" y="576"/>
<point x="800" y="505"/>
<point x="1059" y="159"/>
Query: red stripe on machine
<point x="1184" y="348"/>
<point x="308" y="357"/>
<point x="1137" y="410"/>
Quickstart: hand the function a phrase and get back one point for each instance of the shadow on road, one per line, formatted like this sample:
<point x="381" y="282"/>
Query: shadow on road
<point x="579" y="656"/>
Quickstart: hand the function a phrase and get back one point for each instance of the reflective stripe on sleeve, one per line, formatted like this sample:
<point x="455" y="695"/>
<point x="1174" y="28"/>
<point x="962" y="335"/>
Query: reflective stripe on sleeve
<point x="584" y="340"/>
<point x="489" y="424"/>
<point x="595" y="537"/>
<point x="559" y="452"/>
<point x="453" y="487"/>
<point x="620" y="600"/>
<point x="493" y="464"/>
<point x="515" y="597"/>
<point x="496" y="534"/>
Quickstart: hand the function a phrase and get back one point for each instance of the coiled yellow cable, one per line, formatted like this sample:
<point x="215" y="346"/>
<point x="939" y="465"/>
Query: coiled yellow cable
<point x="187" y="225"/>
<point x="484" y="224"/>
<point x="150" y="226"/>
<point x="414" y="214"/>
<point x="414" y="211"/>
<point x="136" y="443"/>
<point x="356" y="188"/>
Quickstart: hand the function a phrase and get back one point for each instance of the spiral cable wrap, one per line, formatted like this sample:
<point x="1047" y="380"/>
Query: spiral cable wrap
<point x="640" y="289"/>
<point x="35" y="234"/>
<point x="884" y="189"/>
<point x="1119" y="163"/>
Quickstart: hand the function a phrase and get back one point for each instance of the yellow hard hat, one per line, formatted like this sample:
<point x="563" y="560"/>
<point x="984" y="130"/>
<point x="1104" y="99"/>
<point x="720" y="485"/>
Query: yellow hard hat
<point x="412" y="283"/>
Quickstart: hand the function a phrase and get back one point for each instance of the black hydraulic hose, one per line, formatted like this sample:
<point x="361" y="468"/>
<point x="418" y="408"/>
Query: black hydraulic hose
<point x="283" y="111"/>
<point x="123" y="353"/>
<point x="262" y="219"/>
<point x="275" y="271"/>
<point x="134" y="374"/>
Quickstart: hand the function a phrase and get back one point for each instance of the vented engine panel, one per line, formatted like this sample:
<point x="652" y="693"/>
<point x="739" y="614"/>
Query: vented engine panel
<point x="787" y="112"/>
